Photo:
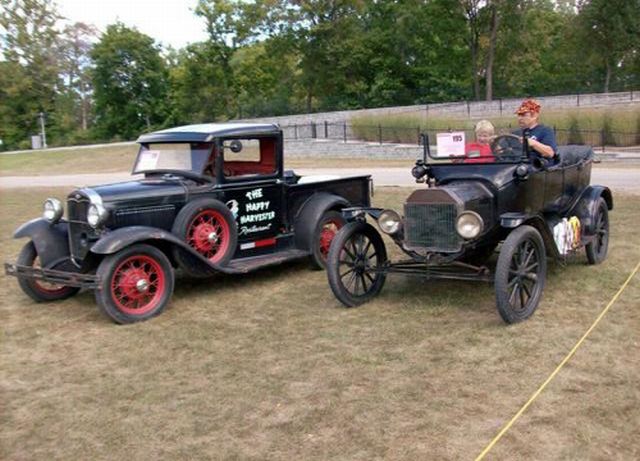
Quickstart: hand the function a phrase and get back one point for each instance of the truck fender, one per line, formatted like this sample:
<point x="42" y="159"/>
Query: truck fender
<point x="309" y="215"/>
<point x="51" y="240"/>
<point x="586" y="206"/>
<point x="120" y="238"/>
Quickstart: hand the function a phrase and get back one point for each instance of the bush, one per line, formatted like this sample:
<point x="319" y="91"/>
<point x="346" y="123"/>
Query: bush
<point x="574" y="135"/>
<point x="619" y="127"/>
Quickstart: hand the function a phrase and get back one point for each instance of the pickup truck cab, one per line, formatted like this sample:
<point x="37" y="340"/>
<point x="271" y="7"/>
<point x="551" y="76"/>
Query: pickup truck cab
<point x="208" y="198"/>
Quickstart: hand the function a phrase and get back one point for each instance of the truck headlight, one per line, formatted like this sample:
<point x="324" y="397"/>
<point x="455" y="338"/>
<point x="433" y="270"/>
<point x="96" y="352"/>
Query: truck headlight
<point x="389" y="222"/>
<point x="96" y="215"/>
<point x="52" y="210"/>
<point x="469" y="224"/>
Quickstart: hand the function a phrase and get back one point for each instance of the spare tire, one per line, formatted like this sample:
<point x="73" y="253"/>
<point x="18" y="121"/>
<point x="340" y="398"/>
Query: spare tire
<point x="207" y="226"/>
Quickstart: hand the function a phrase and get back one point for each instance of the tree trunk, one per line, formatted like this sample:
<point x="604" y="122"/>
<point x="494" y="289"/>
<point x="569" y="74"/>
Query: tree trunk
<point x="474" y="69"/>
<point x="309" y="100"/>
<point x="495" y="22"/>
<point x="607" y="77"/>
<point x="83" y="109"/>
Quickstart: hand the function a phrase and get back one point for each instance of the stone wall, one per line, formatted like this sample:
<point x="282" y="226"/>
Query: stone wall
<point x="464" y="109"/>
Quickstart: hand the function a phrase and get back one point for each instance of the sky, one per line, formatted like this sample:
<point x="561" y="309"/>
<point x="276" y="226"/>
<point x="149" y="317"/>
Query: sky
<point x="170" y="22"/>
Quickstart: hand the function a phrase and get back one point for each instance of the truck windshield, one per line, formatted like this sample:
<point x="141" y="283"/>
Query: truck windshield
<point x="172" y="156"/>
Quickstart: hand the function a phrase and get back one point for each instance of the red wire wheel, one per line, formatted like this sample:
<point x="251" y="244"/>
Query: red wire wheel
<point x="40" y="290"/>
<point x="137" y="285"/>
<point x="326" y="229"/>
<point x="208" y="233"/>
<point x="329" y="230"/>
<point x="207" y="226"/>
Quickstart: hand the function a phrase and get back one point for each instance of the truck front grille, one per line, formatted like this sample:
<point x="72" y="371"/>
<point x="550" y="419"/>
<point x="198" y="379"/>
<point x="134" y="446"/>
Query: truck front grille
<point x="81" y="234"/>
<point x="431" y="226"/>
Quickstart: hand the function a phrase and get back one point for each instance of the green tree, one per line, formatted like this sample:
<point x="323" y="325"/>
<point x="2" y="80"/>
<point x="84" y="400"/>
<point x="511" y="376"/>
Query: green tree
<point x="130" y="80"/>
<point x="611" y="28"/>
<point x="30" y="77"/>
<point x="76" y="45"/>
<point x="200" y="85"/>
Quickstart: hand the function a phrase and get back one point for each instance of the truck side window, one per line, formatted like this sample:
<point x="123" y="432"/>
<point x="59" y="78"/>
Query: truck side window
<point x="246" y="157"/>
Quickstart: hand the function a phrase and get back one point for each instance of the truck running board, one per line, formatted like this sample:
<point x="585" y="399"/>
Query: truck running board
<point x="245" y="265"/>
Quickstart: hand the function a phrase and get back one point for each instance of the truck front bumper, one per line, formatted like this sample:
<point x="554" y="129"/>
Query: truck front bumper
<point x="70" y="279"/>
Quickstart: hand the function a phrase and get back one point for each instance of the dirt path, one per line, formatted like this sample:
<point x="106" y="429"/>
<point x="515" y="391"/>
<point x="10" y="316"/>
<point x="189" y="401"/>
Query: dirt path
<point x="618" y="179"/>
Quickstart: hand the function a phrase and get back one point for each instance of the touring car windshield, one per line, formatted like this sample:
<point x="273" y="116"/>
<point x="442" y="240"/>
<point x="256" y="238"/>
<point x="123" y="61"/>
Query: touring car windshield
<point x="454" y="147"/>
<point x="172" y="156"/>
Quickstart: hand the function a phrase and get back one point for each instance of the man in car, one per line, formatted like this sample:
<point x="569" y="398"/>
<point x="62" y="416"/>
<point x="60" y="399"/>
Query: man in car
<point x="541" y="138"/>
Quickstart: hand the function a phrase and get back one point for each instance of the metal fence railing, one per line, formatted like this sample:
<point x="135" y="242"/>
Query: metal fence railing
<point x="379" y="134"/>
<point x="465" y="109"/>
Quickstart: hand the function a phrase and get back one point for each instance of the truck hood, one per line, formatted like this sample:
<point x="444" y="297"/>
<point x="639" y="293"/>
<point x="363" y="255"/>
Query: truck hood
<point x="142" y="191"/>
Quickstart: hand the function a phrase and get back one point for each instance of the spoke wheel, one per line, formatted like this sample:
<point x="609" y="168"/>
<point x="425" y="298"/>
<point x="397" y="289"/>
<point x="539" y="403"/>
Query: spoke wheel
<point x="325" y="231"/>
<point x="39" y="290"/>
<point x="136" y="283"/>
<point x="520" y="274"/>
<point x="208" y="234"/>
<point x="355" y="264"/>
<point x="597" y="250"/>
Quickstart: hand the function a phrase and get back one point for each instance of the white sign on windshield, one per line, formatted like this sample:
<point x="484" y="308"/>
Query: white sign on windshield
<point x="450" y="144"/>
<point x="148" y="160"/>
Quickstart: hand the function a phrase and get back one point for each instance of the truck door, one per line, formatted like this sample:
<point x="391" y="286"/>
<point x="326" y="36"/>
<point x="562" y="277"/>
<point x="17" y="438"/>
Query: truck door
<point x="253" y="190"/>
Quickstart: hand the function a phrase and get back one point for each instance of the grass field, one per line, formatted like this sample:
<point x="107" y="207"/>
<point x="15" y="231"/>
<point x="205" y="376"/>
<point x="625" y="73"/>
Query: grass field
<point x="115" y="159"/>
<point x="269" y="366"/>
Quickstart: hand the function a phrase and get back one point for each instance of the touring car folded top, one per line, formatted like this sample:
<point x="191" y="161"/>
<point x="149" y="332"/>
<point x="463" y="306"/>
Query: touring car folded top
<point x="211" y="198"/>
<point x="451" y="228"/>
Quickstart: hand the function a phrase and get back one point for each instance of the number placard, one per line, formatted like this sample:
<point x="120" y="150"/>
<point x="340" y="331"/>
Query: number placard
<point x="450" y="144"/>
<point x="148" y="160"/>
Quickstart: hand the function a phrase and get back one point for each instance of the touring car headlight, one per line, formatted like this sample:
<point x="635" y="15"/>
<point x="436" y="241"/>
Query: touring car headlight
<point x="389" y="222"/>
<point x="52" y="210"/>
<point x="96" y="215"/>
<point x="469" y="224"/>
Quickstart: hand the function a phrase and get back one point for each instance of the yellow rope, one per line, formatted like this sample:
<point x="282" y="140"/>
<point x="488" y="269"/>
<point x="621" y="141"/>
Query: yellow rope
<point x="558" y="368"/>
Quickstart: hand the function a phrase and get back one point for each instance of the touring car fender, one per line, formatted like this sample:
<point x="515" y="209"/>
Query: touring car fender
<point x="586" y="206"/>
<point x="513" y="220"/>
<point x="120" y="238"/>
<point x="310" y="214"/>
<point x="51" y="240"/>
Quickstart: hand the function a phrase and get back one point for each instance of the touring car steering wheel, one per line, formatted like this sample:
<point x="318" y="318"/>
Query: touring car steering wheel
<point x="507" y="146"/>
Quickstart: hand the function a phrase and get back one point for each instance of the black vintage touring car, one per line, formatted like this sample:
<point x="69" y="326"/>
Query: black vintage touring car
<point x="213" y="198"/>
<point x="452" y="227"/>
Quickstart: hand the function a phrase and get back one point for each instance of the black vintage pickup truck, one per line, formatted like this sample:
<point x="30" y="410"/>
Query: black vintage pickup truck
<point x="210" y="198"/>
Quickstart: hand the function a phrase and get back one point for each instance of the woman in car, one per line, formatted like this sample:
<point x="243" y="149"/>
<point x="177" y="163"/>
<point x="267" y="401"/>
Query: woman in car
<point x="480" y="150"/>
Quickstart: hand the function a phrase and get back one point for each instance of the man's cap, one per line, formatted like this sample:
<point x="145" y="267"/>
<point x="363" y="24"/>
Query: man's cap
<point x="528" y="105"/>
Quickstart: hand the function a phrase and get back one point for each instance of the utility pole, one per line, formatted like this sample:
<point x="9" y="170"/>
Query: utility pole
<point x="43" y="132"/>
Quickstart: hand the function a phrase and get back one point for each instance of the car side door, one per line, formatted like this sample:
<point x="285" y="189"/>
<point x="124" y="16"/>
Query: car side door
<point x="253" y="189"/>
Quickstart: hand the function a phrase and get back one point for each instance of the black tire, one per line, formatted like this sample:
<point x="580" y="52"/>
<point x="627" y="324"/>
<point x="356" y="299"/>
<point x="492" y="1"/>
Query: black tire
<point x="122" y="296"/>
<point x="328" y="226"/>
<point x="521" y="273"/>
<point x="350" y="264"/>
<point x="38" y="290"/>
<point x="201" y="217"/>
<point x="598" y="249"/>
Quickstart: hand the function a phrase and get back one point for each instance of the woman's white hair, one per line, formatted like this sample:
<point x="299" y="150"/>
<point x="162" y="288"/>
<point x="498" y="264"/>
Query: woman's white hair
<point x="484" y="125"/>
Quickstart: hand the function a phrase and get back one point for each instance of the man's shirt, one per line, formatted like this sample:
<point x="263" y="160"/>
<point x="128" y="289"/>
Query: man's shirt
<point x="545" y="135"/>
